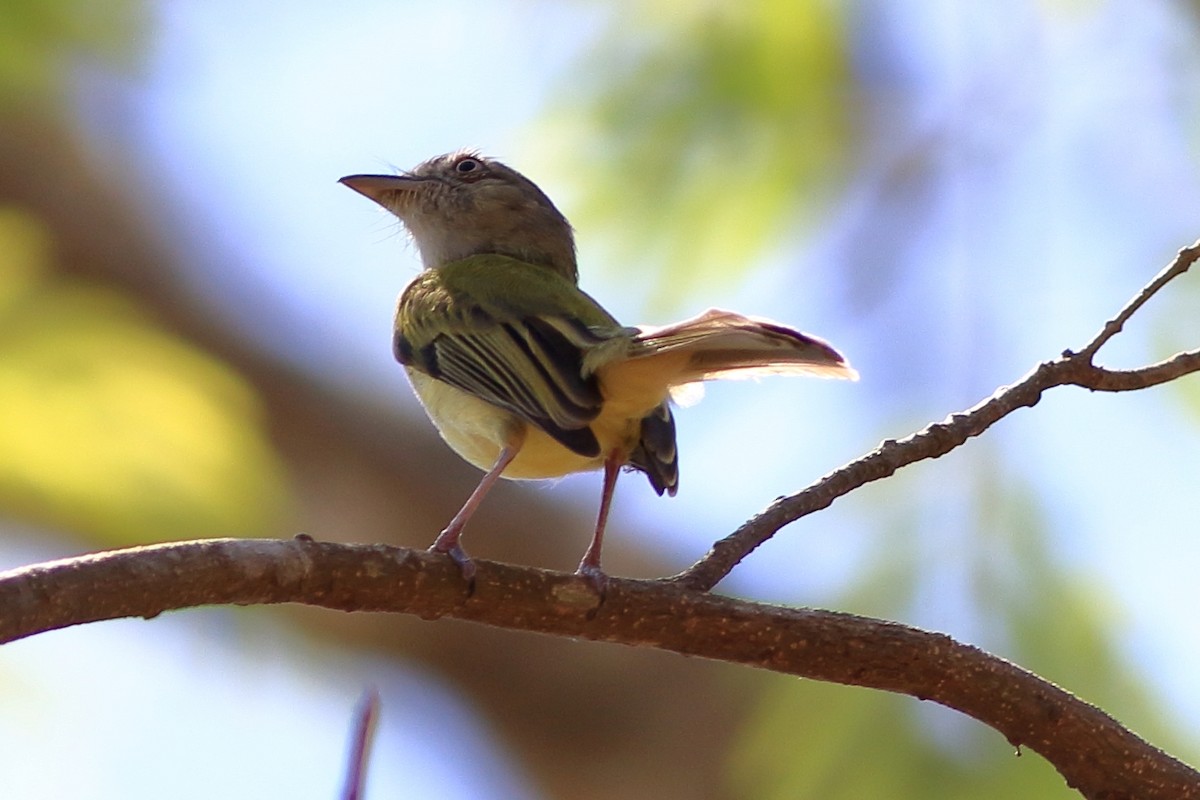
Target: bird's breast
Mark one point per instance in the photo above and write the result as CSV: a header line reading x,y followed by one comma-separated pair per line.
x,y
478,431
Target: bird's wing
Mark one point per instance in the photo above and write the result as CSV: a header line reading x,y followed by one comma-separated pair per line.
x,y
480,328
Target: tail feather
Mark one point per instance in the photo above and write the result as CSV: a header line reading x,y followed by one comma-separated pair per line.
x,y
722,344
655,453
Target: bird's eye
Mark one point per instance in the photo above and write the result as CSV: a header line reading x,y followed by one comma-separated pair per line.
x,y
466,165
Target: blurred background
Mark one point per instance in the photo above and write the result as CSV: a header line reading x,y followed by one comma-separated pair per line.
x,y
195,342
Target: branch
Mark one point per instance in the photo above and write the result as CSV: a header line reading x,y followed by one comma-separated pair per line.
x,y
1091,750
1074,369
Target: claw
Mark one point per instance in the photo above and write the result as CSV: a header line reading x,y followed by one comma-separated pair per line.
x,y
465,564
594,577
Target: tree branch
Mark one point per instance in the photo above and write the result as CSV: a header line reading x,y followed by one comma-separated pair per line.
x,y
1182,263
1074,369
1092,751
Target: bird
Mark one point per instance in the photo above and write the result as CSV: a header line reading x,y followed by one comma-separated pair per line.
x,y
526,376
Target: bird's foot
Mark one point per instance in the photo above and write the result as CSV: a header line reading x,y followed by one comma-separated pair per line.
x,y
594,577
466,566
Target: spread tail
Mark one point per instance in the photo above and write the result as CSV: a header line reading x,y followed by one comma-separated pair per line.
x,y
722,344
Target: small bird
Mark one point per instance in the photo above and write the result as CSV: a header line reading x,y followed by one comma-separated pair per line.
x,y
525,375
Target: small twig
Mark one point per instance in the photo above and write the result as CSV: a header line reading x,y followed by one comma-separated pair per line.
x,y
940,438
360,745
1182,263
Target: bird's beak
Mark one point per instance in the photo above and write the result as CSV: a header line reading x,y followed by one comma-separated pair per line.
x,y
383,189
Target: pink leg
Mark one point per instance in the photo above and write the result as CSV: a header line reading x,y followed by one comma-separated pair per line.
x,y
447,540
589,566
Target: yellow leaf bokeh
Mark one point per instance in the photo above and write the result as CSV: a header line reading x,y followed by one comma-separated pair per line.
x,y
113,428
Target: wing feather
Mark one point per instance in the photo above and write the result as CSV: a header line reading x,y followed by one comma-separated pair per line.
x,y
526,359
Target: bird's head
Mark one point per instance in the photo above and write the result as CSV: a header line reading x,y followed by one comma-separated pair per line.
x,y
464,204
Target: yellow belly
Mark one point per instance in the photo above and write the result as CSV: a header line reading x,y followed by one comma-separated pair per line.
x,y
478,430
